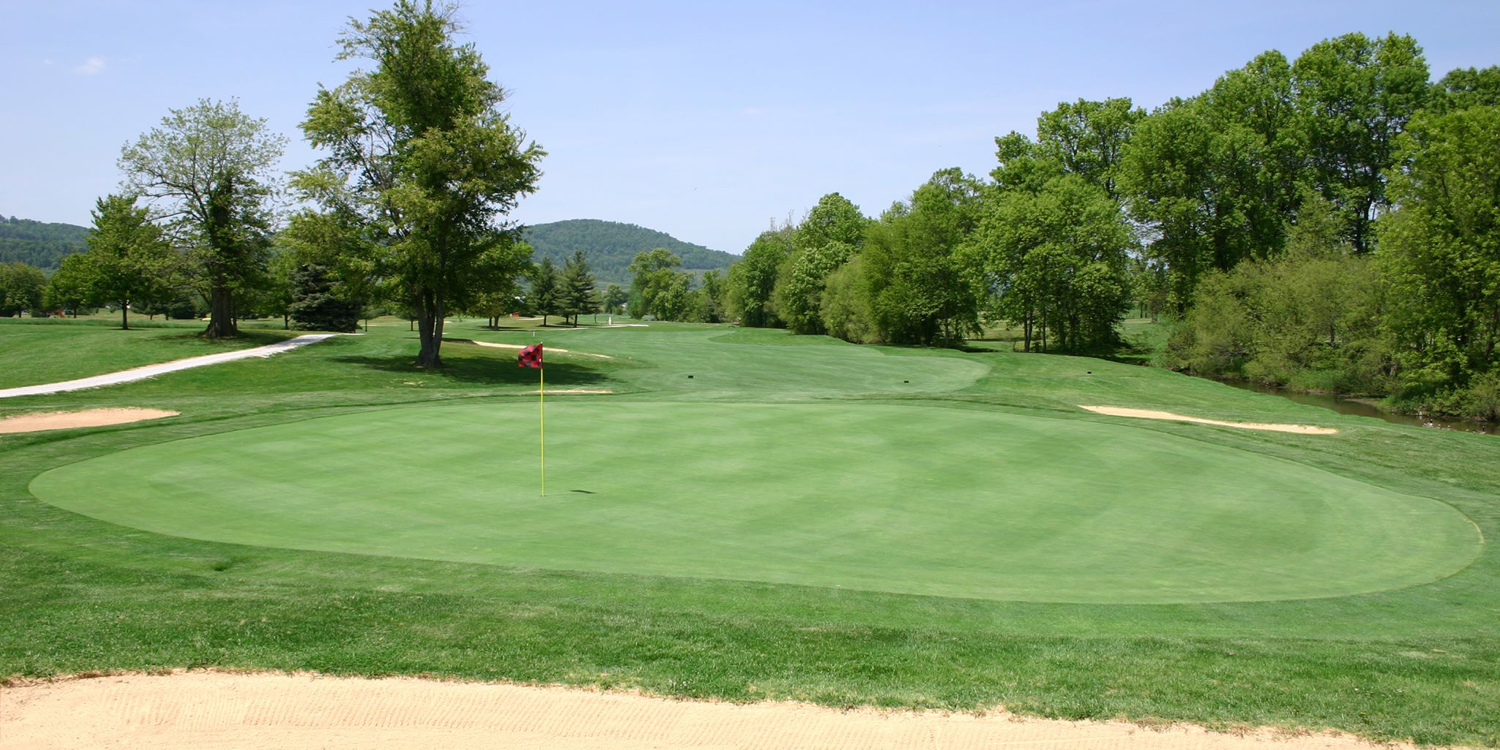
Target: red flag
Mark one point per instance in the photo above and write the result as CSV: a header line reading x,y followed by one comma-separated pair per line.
x,y
531,356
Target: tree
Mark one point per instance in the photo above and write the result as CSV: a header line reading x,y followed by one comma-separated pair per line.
x,y
546,295
129,261
1216,176
209,169
1056,260
846,305
1355,95
316,305
709,302
751,282
1087,138
576,288
615,299
1441,247
654,286
21,288
1468,87
920,286
799,290
68,288
423,158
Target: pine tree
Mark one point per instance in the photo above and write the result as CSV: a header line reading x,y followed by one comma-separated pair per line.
x,y
576,289
544,290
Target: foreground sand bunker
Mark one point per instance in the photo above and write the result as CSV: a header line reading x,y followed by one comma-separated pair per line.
x,y
297,712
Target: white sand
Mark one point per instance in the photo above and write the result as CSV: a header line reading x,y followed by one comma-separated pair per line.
x,y
303,711
1301,429
62,420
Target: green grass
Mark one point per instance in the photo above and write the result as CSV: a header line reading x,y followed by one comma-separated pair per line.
x,y
1416,661
902,499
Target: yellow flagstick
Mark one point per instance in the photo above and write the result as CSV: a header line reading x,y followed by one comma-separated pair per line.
x,y
541,394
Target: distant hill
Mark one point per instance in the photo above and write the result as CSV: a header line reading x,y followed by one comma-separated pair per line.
x,y
38,244
609,247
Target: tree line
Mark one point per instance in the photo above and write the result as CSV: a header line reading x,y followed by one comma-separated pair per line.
x,y
1327,222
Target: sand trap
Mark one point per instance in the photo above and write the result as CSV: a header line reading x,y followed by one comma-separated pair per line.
x,y
523,346
596,391
1301,429
63,420
303,711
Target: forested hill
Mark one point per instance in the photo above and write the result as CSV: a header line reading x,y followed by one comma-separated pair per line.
x,y
609,247
38,244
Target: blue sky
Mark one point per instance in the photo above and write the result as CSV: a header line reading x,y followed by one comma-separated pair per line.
x,y
705,120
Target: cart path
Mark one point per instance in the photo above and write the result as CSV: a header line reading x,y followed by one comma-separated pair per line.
x,y
151,371
305,711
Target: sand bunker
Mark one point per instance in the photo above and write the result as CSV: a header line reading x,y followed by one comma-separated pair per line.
x,y
1301,429
63,420
303,711
523,346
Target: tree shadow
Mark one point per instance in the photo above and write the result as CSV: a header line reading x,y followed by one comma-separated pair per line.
x,y
484,371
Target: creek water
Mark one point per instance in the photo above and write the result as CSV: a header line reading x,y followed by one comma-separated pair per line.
x,y
1362,409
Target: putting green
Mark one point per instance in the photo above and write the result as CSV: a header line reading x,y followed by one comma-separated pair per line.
x,y
909,499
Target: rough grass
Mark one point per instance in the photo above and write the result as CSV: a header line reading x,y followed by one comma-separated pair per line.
x,y
82,594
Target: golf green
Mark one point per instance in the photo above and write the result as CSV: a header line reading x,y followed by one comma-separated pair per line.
x,y
909,499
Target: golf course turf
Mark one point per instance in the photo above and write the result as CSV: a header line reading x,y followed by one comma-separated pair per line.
x,y
800,519
903,498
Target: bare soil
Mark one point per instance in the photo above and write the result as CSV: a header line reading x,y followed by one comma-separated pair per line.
x,y
305,711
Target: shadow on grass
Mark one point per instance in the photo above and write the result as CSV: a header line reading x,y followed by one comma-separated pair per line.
x,y
484,371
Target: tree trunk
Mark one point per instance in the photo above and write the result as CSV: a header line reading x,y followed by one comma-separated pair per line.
x,y
430,330
125,317
221,313
286,322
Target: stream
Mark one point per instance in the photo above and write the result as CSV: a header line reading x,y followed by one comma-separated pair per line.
x,y
1362,409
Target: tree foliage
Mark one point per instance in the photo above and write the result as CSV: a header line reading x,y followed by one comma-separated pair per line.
x,y
1441,246
423,163
129,261
22,288
209,169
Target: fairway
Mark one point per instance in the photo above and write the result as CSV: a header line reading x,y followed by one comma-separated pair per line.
x,y
882,497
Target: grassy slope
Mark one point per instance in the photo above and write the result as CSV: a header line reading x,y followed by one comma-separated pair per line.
x,y
82,594
48,351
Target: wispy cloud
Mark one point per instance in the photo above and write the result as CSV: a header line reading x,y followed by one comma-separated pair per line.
x,y
91,66
751,111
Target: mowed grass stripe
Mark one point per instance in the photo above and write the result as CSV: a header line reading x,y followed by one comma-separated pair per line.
x,y
901,499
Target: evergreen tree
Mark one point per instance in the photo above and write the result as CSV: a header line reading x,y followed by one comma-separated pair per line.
x,y
576,288
316,305
545,292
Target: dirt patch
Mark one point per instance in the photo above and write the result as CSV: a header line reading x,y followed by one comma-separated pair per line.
x,y
523,346
304,711
1301,429
63,420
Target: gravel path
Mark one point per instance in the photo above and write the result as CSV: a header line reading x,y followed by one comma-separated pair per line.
x,y
151,371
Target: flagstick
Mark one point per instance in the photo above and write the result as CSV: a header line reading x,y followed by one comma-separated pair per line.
x,y
541,394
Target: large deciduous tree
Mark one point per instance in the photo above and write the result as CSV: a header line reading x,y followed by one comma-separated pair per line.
x,y
1441,246
920,287
210,170
1355,95
425,161
751,283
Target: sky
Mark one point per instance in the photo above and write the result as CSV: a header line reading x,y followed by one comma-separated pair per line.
x,y
705,120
